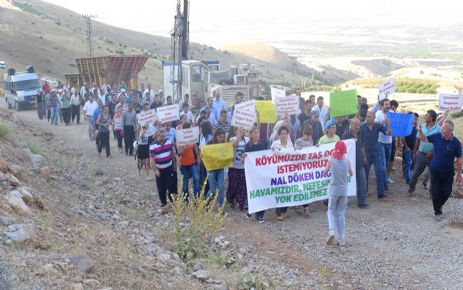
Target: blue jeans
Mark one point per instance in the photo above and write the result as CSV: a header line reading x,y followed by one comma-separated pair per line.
x,y
216,183
376,159
54,115
407,161
187,172
337,206
385,151
361,186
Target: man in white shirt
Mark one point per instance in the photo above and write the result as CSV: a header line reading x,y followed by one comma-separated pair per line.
x,y
149,90
384,141
83,90
322,110
89,108
188,113
75,105
218,105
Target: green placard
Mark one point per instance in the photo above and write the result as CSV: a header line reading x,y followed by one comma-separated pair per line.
x,y
343,103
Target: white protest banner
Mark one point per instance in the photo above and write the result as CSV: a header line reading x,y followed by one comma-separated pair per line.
x,y
292,178
168,113
147,117
243,118
450,102
187,136
276,93
248,106
286,105
386,89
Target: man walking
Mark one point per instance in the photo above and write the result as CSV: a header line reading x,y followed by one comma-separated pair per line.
x,y
447,148
423,150
75,106
369,133
164,164
89,109
384,140
360,161
129,124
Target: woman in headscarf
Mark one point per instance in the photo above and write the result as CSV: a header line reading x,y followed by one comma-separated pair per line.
x,y
275,135
41,111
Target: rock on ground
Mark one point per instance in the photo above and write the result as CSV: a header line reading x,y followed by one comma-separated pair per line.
x,y
19,233
15,201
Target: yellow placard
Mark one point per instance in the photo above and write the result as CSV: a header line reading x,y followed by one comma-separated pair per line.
x,y
217,156
266,110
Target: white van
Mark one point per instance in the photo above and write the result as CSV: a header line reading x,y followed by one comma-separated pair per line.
x,y
21,89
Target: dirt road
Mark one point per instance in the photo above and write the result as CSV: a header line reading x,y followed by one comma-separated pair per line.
x,y
395,243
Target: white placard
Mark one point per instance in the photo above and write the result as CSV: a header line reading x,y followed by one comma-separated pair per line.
x,y
386,89
286,105
147,117
450,102
248,106
243,118
276,93
187,136
168,113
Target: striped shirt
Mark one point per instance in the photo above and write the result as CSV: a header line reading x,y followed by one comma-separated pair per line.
x,y
162,154
224,127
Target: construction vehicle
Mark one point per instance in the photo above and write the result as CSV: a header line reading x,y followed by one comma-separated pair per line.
x,y
21,88
199,79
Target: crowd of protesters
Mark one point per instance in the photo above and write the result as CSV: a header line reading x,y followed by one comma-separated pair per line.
x,y
428,152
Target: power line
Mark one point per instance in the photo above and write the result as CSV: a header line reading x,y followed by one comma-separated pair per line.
x,y
88,22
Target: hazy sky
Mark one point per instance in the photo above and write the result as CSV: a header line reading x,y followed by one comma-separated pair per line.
x,y
219,21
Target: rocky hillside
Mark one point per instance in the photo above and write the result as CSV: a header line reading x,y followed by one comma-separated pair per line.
x,y
72,221
51,37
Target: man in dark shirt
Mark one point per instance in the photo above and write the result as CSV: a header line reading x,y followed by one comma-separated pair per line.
x,y
156,103
342,125
447,148
222,124
360,161
317,129
305,115
112,106
369,133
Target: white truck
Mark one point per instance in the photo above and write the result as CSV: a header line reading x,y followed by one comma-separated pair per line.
x,y
21,89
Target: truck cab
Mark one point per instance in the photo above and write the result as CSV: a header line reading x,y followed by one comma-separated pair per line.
x,y
195,81
21,89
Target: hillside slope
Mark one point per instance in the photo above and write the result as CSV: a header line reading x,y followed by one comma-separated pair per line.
x,y
51,37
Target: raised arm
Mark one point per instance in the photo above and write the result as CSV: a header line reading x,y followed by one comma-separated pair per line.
x,y
388,125
421,135
442,120
327,168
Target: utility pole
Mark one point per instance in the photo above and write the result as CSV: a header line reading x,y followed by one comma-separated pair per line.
x,y
88,22
179,46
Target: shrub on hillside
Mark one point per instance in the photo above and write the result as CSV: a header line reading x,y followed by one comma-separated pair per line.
x,y
4,130
196,223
